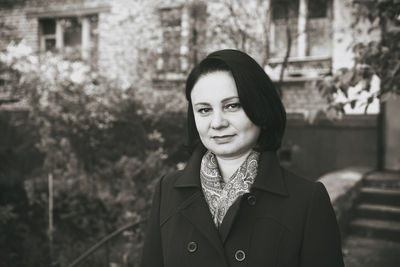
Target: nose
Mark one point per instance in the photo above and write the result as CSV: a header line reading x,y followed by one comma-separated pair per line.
x,y
218,121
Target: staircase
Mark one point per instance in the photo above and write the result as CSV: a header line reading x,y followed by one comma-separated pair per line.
x,y
377,213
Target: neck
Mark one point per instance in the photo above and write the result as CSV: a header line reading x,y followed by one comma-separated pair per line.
x,y
228,165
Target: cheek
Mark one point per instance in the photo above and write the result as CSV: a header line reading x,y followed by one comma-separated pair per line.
x,y
250,130
244,124
201,124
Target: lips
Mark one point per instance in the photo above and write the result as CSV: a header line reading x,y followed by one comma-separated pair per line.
x,y
220,139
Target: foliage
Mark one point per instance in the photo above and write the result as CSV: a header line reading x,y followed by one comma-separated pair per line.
x,y
7,33
104,147
243,26
380,58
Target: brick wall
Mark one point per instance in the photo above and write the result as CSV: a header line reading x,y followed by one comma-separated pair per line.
x,y
26,26
22,27
125,29
302,97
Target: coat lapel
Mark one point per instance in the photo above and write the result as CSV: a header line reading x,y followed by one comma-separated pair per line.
x,y
197,212
269,178
228,220
195,208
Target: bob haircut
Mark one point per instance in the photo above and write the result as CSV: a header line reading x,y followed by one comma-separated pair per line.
x,y
257,95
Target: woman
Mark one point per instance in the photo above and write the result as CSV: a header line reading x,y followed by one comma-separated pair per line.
x,y
233,205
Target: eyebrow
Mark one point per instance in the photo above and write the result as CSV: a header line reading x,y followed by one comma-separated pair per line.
x,y
223,100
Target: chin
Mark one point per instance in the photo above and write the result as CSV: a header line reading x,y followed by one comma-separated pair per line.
x,y
228,152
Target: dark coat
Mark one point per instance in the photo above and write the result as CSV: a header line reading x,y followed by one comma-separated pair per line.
x,y
285,220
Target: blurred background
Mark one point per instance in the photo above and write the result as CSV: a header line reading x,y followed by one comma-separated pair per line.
x,y
92,111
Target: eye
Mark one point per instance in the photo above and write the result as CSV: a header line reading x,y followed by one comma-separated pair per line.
x,y
233,106
204,111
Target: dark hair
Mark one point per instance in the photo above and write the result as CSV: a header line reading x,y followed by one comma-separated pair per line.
x,y
257,94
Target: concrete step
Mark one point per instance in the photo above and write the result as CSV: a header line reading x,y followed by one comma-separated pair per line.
x,y
368,252
380,196
383,180
383,229
375,211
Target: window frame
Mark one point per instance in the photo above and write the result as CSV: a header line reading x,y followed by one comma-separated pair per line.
x,y
301,39
84,13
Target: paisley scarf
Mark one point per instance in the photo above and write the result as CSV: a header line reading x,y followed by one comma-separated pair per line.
x,y
219,195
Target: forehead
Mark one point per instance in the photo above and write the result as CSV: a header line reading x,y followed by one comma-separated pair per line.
x,y
214,87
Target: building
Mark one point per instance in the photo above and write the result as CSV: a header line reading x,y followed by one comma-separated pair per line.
x,y
127,38
179,32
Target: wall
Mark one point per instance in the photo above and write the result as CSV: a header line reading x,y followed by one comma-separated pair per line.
x,y
26,27
312,150
392,134
302,97
345,34
342,35
125,29
23,27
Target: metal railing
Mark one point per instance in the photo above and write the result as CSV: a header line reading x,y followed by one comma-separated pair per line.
x,y
104,242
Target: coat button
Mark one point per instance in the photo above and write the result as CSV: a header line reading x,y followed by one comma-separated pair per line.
x,y
192,246
240,255
251,199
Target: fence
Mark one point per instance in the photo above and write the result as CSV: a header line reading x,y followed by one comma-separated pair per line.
x,y
312,150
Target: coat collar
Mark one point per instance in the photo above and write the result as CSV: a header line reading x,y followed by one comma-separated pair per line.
x,y
269,177
191,174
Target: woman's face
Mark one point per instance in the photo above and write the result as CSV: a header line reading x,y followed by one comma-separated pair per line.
x,y
223,126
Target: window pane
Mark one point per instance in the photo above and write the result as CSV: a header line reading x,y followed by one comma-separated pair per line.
x,y
48,26
280,40
319,35
72,32
317,8
171,25
282,9
50,44
171,51
171,16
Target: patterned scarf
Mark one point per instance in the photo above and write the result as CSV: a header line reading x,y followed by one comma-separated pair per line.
x,y
219,195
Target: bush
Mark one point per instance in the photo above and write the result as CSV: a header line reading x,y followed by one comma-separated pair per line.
x,y
104,148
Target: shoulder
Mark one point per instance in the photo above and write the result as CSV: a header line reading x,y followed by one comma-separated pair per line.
x,y
302,188
170,193
309,200
168,181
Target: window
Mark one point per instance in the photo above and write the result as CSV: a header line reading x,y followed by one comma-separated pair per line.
x,y
283,9
48,36
73,36
183,30
72,33
171,28
309,24
319,33
317,9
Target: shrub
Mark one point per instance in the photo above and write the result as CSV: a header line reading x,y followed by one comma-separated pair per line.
x,y
103,146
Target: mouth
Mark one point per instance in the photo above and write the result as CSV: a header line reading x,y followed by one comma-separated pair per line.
x,y
222,138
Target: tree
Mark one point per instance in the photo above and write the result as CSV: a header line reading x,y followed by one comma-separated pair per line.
x,y
375,58
379,57
246,26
